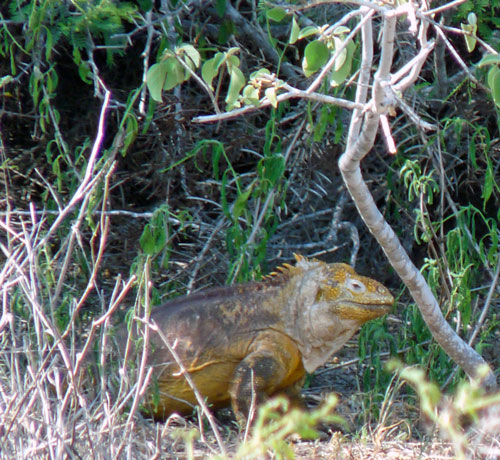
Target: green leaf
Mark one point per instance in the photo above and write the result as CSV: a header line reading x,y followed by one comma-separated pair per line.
x,y
472,18
240,203
250,95
339,62
220,8
495,87
321,125
341,30
232,60
210,68
470,42
272,168
233,50
340,76
192,53
174,73
216,154
491,73
226,29
236,83
145,5
219,59
83,67
489,59
48,44
294,33
257,73
271,95
51,81
276,14
316,55
209,72
154,235
13,58
147,240
155,78
85,72
488,186
470,35
131,130
223,194
307,31
337,77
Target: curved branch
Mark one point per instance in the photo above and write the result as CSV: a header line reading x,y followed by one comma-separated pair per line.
x,y
465,356
349,163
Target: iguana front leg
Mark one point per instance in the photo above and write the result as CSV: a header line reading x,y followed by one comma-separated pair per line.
x,y
272,366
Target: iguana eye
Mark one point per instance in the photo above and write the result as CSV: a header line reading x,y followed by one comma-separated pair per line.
x,y
355,286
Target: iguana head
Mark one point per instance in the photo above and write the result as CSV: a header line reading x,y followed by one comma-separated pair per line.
x,y
353,296
331,303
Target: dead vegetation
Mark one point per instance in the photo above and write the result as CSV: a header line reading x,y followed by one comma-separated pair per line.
x,y
76,202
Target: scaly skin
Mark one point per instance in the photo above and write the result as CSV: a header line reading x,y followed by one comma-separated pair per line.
x,y
257,339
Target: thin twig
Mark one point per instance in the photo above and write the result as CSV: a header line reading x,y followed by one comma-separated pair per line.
x,y
363,80
293,93
456,56
80,192
203,85
445,7
145,65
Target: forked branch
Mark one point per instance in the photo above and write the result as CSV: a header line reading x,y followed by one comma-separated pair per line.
x,y
357,148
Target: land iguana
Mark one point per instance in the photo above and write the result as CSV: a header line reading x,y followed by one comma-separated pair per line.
x,y
258,338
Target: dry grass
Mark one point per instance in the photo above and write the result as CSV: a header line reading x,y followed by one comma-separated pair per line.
x,y
393,450
54,263
47,409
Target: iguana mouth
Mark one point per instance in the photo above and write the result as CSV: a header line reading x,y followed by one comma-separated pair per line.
x,y
368,305
362,311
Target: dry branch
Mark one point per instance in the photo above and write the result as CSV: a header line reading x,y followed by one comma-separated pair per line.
x,y
465,356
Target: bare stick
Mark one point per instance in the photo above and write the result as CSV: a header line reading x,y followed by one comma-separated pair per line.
x,y
364,78
80,192
293,93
